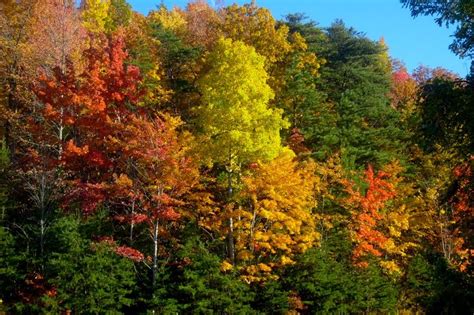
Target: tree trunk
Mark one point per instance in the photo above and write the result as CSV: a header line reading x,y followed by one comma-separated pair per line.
x,y
132,223
155,254
42,204
230,235
252,228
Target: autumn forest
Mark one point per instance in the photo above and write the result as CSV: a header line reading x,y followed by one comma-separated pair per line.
x,y
213,159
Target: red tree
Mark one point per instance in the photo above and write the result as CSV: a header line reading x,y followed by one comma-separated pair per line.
x,y
369,240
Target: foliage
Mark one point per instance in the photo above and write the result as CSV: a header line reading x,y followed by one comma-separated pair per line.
x,y
327,283
9,260
275,222
204,288
95,15
84,274
433,286
210,159
442,123
238,124
355,118
458,13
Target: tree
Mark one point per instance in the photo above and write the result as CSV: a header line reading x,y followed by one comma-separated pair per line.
x,y
17,65
275,220
237,125
309,30
95,15
78,117
157,173
179,60
86,275
368,236
404,92
235,113
299,97
57,33
462,214
457,13
256,27
204,288
144,52
202,24
431,285
9,260
326,281
120,14
136,164
354,118
447,115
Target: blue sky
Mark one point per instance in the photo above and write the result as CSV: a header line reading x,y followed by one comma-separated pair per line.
x,y
414,41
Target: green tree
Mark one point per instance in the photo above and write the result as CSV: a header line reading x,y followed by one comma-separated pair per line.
x,y
87,276
204,289
447,116
271,297
459,13
179,62
9,271
120,14
431,285
356,81
327,282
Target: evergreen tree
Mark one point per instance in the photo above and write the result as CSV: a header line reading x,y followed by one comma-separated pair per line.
x,y
352,113
327,282
205,289
87,276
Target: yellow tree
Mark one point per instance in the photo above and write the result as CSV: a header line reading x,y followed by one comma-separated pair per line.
x,y
172,20
95,15
237,125
399,220
17,64
275,221
434,220
256,27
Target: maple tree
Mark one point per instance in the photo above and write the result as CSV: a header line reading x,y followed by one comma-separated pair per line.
x,y
368,238
157,172
404,91
145,155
